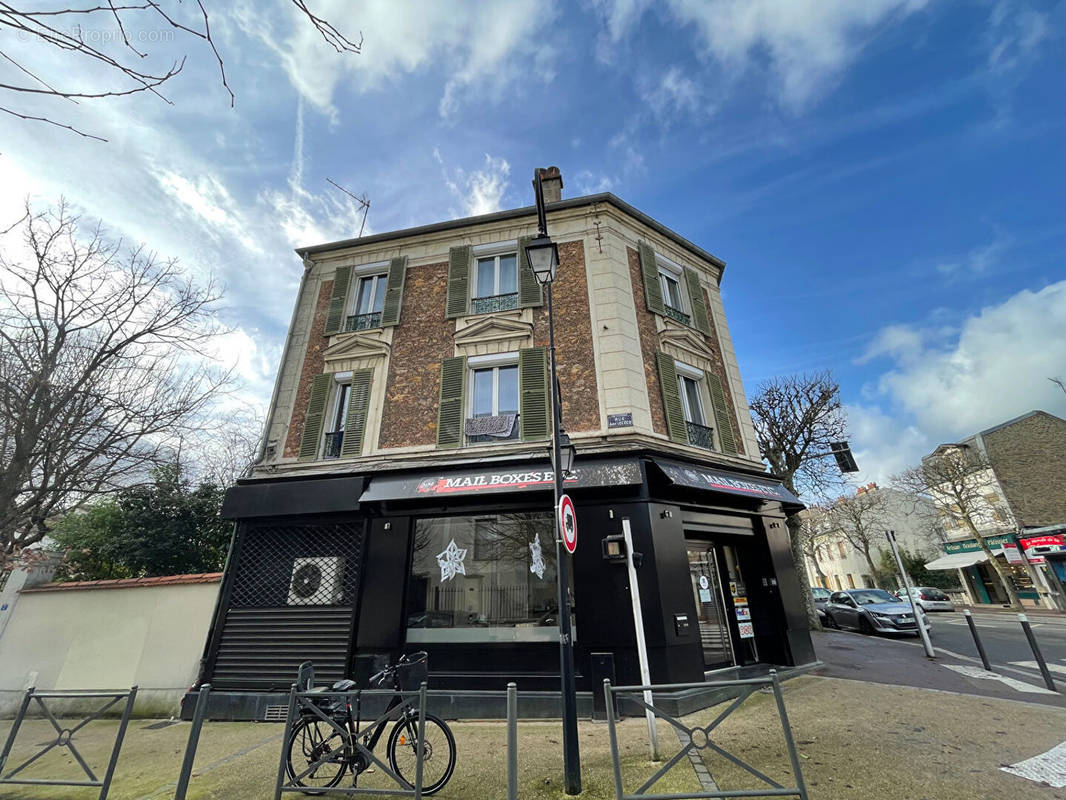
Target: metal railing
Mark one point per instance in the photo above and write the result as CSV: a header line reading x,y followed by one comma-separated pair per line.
x,y
331,447
65,737
698,738
498,302
677,315
362,322
700,435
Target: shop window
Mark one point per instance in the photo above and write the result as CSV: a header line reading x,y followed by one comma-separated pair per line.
x,y
483,579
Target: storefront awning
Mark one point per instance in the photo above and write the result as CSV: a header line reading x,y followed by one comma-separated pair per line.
x,y
957,560
498,479
717,480
273,498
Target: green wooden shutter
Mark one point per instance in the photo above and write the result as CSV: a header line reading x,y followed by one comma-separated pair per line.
x,y
459,259
355,422
721,414
674,411
534,410
316,408
452,412
390,311
701,321
653,290
529,289
342,278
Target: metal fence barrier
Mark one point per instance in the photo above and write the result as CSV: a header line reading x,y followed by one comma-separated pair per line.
x,y
699,738
192,742
65,737
303,702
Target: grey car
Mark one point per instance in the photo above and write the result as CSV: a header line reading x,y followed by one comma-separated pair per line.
x,y
871,611
821,598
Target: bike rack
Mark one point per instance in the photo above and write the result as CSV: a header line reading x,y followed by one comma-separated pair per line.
x,y
300,701
65,737
699,738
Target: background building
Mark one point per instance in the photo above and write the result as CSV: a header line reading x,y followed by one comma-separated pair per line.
x,y
1019,491
403,498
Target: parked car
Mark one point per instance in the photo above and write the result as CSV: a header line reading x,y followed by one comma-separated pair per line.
x,y
821,597
872,611
928,598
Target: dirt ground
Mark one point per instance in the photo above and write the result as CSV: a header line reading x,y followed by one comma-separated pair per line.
x,y
856,740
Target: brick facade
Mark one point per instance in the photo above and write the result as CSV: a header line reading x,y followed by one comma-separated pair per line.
x,y
412,390
1029,459
314,364
573,340
649,342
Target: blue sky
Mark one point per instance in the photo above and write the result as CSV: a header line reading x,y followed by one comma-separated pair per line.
x,y
883,178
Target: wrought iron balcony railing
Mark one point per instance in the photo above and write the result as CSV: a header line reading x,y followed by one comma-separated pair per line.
x,y
700,435
361,322
498,302
332,447
678,315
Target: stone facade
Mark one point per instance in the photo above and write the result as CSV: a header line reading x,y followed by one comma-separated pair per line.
x,y
1028,456
412,389
314,364
649,342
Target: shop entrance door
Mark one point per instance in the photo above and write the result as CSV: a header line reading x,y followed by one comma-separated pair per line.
x,y
710,606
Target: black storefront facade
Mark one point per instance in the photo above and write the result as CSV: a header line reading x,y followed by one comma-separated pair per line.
x,y
349,571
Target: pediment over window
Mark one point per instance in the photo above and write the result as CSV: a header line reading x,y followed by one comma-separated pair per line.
x,y
357,346
495,329
687,341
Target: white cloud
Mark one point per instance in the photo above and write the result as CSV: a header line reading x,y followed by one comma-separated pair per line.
x,y
995,368
588,182
479,191
1015,33
805,44
480,48
883,445
976,262
675,93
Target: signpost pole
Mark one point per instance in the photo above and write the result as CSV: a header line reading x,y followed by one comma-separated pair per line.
x,y
642,647
907,587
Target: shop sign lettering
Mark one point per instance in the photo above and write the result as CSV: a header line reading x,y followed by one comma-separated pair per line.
x,y
497,480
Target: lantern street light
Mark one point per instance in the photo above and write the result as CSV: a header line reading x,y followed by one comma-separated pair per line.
x,y
543,255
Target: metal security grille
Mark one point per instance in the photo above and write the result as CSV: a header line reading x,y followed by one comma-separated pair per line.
x,y
298,565
292,599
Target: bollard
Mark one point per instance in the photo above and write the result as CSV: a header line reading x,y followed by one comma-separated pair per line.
x,y
977,639
1036,652
512,741
193,742
420,750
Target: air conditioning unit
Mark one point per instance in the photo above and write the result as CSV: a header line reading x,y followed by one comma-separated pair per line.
x,y
317,581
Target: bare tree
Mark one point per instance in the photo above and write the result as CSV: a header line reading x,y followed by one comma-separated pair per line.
x,y
101,368
956,478
224,449
812,531
84,34
796,418
860,519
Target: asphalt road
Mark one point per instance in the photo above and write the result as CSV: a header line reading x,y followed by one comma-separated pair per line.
x,y
1003,639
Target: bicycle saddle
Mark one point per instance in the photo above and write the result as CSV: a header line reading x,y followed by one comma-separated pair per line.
x,y
343,685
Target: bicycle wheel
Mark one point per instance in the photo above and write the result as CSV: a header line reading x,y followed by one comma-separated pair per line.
x,y
439,761
312,741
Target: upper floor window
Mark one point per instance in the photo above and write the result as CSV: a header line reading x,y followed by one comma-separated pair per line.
x,y
692,398
843,552
494,401
690,384
495,283
673,290
368,302
335,421
673,297
333,438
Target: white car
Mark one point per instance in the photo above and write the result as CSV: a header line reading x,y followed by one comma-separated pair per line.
x,y
929,598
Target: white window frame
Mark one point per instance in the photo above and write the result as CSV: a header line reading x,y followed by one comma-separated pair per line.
x,y
695,374
378,270
493,361
670,269
340,379
493,251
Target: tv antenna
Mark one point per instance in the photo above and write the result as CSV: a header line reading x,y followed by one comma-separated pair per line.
x,y
363,202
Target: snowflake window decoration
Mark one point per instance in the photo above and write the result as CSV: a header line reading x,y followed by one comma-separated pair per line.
x,y
451,561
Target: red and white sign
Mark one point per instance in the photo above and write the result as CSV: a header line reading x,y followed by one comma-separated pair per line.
x,y
568,523
1043,541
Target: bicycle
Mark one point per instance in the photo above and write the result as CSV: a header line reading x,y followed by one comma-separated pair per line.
x,y
320,752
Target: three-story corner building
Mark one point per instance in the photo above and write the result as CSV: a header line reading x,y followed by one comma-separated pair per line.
x,y
403,500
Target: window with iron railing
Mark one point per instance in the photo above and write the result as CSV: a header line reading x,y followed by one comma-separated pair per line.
x,y
677,314
367,304
499,302
362,322
495,284
331,447
700,435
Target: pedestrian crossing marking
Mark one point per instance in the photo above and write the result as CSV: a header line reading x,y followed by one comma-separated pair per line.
x,y
1059,668
1049,767
978,672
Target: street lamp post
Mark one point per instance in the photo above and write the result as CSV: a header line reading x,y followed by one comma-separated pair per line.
x,y
543,255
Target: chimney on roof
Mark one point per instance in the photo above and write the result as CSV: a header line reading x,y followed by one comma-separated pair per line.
x,y
552,182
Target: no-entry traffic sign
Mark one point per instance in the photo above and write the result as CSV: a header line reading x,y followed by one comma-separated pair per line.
x,y
568,523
